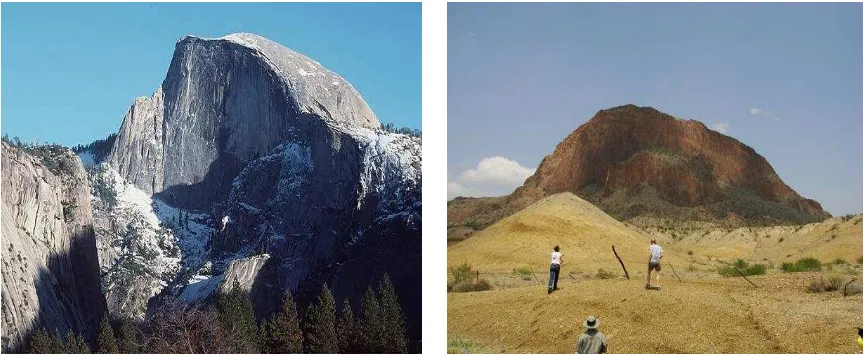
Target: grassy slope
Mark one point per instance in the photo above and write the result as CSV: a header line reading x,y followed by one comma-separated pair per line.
x,y
584,233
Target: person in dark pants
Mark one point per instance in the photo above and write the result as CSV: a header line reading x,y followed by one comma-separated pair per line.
x,y
555,263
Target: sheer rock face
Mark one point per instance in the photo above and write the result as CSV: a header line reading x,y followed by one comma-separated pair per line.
x,y
223,102
137,151
288,160
50,266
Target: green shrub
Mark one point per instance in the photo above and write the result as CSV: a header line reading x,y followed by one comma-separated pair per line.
x,y
604,274
754,270
477,286
802,265
524,272
457,345
744,267
462,280
461,273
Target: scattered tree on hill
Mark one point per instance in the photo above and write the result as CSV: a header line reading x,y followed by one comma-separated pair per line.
x,y
173,329
105,341
41,342
282,331
75,344
370,326
347,331
236,314
319,333
127,343
393,325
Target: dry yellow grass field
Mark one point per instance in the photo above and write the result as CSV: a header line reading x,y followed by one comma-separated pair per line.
x,y
695,316
702,314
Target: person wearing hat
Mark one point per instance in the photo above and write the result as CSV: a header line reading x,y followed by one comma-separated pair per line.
x,y
555,263
591,341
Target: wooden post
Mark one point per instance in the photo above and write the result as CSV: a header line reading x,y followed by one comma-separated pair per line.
x,y
477,275
675,272
744,277
620,261
845,288
533,274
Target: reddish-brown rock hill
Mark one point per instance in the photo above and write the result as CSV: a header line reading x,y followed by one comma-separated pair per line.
x,y
637,162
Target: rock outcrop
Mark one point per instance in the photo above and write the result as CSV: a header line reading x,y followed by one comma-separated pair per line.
x,y
286,159
50,265
642,165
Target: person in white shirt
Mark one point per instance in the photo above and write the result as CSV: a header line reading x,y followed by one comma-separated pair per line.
x,y
655,263
555,263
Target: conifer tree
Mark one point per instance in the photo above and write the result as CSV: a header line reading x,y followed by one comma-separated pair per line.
x,y
105,341
41,342
236,314
283,329
370,326
319,333
393,324
127,342
75,344
347,330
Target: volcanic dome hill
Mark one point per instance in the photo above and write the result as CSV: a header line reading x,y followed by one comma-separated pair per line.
x,y
644,166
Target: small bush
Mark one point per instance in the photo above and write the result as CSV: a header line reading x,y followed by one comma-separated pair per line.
x,y
755,270
802,265
826,284
603,274
458,345
477,286
860,260
691,252
462,280
461,273
744,267
781,239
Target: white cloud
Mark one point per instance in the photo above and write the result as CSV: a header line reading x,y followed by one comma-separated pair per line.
x,y
493,176
763,113
721,127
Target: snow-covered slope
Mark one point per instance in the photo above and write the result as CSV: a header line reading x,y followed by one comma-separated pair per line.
x,y
144,244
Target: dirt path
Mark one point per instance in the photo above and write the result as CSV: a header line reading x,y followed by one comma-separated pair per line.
x,y
696,316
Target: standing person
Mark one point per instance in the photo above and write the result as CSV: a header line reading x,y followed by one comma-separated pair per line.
x,y
555,263
655,263
591,341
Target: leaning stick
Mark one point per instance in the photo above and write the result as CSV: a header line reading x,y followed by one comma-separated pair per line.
x,y
845,289
533,274
744,277
675,272
620,261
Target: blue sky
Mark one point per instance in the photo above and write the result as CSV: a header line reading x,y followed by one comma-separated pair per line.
x,y
69,71
785,79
